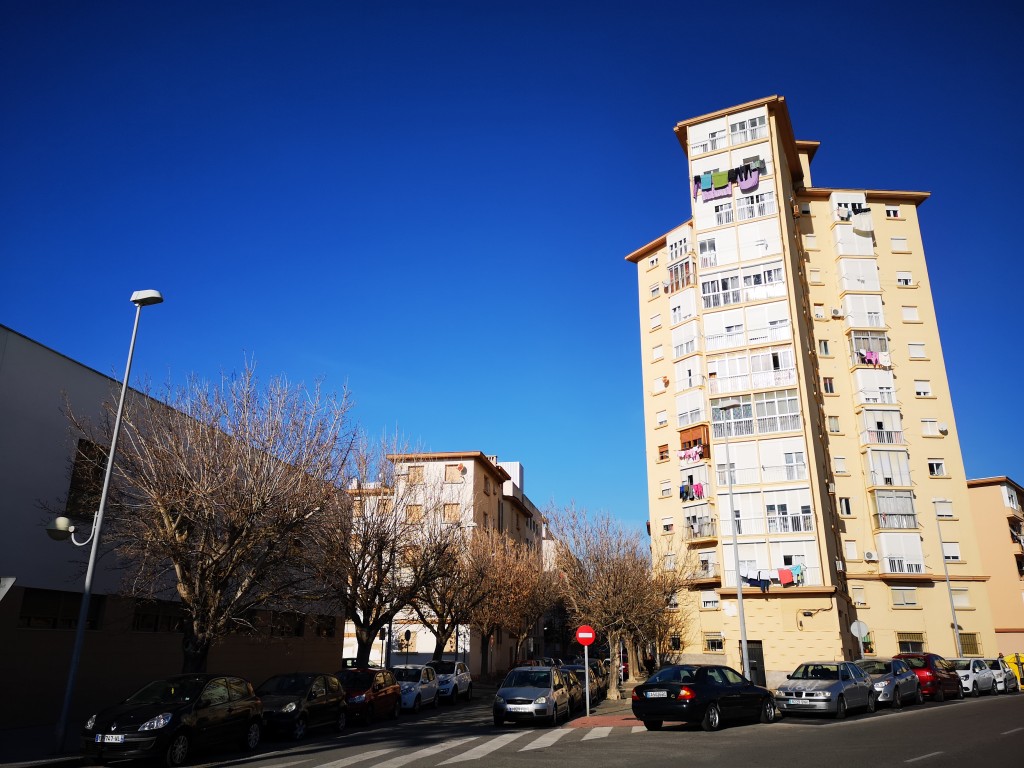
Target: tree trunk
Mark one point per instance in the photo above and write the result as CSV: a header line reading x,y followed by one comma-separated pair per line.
x,y
485,647
441,637
364,645
613,665
194,650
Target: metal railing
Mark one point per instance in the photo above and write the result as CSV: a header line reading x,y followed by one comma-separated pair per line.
x,y
709,259
784,473
809,577
722,299
867,396
781,423
753,210
766,291
706,529
902,522
709,144
900,478
737,428
883,436
723,217
743,476
762,379
791,524
899,565
745,526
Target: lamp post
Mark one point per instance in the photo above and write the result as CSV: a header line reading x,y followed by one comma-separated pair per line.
x,y
949,587
61,529
727,407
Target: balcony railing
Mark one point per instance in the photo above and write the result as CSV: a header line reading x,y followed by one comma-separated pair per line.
x,y
883,436
763,379
779,332
902,522
723,299
748,134
690,417
709,144
737,428
766,291
782,423
744,476
706,571
754,210
745,526
791,524
899,565
784,473
751,336
723,217
866,396
686,348
759,380
705,529
811,577
724,384
865,320
709,259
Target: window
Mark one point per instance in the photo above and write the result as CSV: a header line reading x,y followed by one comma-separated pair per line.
x,y
658,352
747,130
674,643
713,642
805,209
898,243
859,598
961,597
652,262
904,597
819,311
850,549
415,475
833,424
916,351
655,290
666,488
869,644
86,483
662,418
669,561
839,464
663,452
414,513
844,506
970,643
811,243
673,602
922,388
667,524
906,279
936,468
930,427
708,599
452,513
487,485
951,551
452,473
753,206
55,609
655,321
823,349
910,642
723,214
325,626
943,508
814,276
828,384
910,315
287,624
892,212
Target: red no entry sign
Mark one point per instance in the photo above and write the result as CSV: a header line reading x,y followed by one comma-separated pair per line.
x,y
585,635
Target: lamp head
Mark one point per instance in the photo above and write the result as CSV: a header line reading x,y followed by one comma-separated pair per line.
x,y
145,298
60,529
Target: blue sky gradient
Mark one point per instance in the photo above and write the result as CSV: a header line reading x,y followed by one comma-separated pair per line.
x,y
430,202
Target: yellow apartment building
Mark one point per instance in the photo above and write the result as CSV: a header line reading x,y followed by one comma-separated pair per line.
x,y
998,517
790,346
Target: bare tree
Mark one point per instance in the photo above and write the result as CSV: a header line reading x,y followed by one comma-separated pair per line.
x,y
216,489
606,578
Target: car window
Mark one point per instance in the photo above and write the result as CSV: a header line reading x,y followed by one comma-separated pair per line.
x,y
333,685
672,675
319,687
238,688
216,692
378,679
731,676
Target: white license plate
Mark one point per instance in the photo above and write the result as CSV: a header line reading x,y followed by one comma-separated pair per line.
x,y
657,694
110,738
520,708
801,702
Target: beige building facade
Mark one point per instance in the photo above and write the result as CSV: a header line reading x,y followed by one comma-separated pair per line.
x,y
791,350
997,511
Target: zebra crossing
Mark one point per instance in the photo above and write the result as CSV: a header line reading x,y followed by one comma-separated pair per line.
x,y
460,749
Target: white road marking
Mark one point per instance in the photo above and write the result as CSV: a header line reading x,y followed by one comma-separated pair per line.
x,y
1007,733
922,757
546,740
358,758
639,729
409,757
486,748
597,733
285,765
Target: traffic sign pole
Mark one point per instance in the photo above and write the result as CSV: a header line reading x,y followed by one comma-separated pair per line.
x,y
585,636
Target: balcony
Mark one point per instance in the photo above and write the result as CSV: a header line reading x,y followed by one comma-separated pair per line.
x,y
707,572
710,144
883,436
723,217
723,299
865,320
784,473
745,476
811,578
782,423
898,522
686,348
709,259
898,478
899,565
737,428
725,384
872,396
766,291
753,210
690,417
748,134
745,526
701,532
768,379
791,524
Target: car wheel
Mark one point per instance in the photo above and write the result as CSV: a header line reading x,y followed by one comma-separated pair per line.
x,y
940,692
437,700
177,750
397,709
712,718
768,711
553,722
652,725
897,699
341,720
959,691
840,708
994,689
872,703
454,698
919,696
498,721
469,692
298,728
974,689
416,705
252,735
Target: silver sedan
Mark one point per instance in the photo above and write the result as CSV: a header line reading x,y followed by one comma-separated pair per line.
x,y
831,687
894,682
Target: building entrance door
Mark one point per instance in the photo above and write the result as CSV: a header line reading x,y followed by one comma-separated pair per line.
x,y
756,654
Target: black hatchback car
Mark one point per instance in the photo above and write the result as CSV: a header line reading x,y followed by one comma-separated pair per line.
x,y
166,718
701,693
298,701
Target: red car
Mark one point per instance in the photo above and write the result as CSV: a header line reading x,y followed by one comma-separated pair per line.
x,y
371,693
937,676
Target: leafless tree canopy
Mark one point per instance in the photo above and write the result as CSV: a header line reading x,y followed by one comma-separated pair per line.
x,y
217,489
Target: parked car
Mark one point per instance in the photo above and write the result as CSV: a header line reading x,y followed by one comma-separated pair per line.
x,y
975,676
832,687
894,682
298,701
581,672
600,671
419,686
166,719
532,694
700,693
453,680
1006,681
371,693
937,677
575,686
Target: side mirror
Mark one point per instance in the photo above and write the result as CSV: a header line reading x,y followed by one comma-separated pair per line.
x,y
203,704
789,677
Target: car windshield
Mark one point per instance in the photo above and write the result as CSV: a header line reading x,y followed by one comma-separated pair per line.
x,y
962,664
672,675
285,685
357,681
875,667
816,672
994,664
527,678
443,667
406,675
916,662
168,691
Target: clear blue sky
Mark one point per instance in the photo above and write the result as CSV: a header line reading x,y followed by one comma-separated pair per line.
x,y
431,202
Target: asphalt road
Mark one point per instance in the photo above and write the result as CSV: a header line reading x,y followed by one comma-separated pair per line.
x,y
989,729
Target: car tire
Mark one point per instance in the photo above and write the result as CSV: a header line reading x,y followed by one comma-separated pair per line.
x,y
897,698
415,706
712,717
919,696
553,720
368,714
872,703
397,709
498,722
960,692
840,708
994,689
341,721
298,729
768,711
653,725
974,690
177,751
940,692
469,692
251,740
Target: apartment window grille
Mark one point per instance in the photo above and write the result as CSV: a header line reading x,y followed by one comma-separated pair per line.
x,y
708,253
910,642
755,206
713,642
720,292
723,214
970,643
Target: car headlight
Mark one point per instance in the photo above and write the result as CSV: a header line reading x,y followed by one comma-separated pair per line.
x,y
880,686
289,707
157,722
819,695
498,700
541,700
357,699
91,723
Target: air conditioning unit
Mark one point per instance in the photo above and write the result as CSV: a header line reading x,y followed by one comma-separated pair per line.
x,y
664,284
871,557
837,312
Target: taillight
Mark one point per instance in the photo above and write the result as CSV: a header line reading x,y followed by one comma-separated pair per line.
x,y
635,696
686,693
926,674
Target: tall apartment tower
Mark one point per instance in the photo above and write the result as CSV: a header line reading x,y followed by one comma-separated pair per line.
x,y
790,346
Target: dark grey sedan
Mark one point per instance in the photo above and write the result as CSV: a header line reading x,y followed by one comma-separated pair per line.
x,y
895,683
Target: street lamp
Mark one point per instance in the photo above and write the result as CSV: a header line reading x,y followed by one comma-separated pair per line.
x,y
949,587
727,407
61,528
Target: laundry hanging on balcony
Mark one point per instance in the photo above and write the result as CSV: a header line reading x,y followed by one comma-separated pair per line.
x,y
713,185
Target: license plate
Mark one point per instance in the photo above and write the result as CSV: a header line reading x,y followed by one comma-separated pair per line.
x,y
110,738
519,708
657,694
800,702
